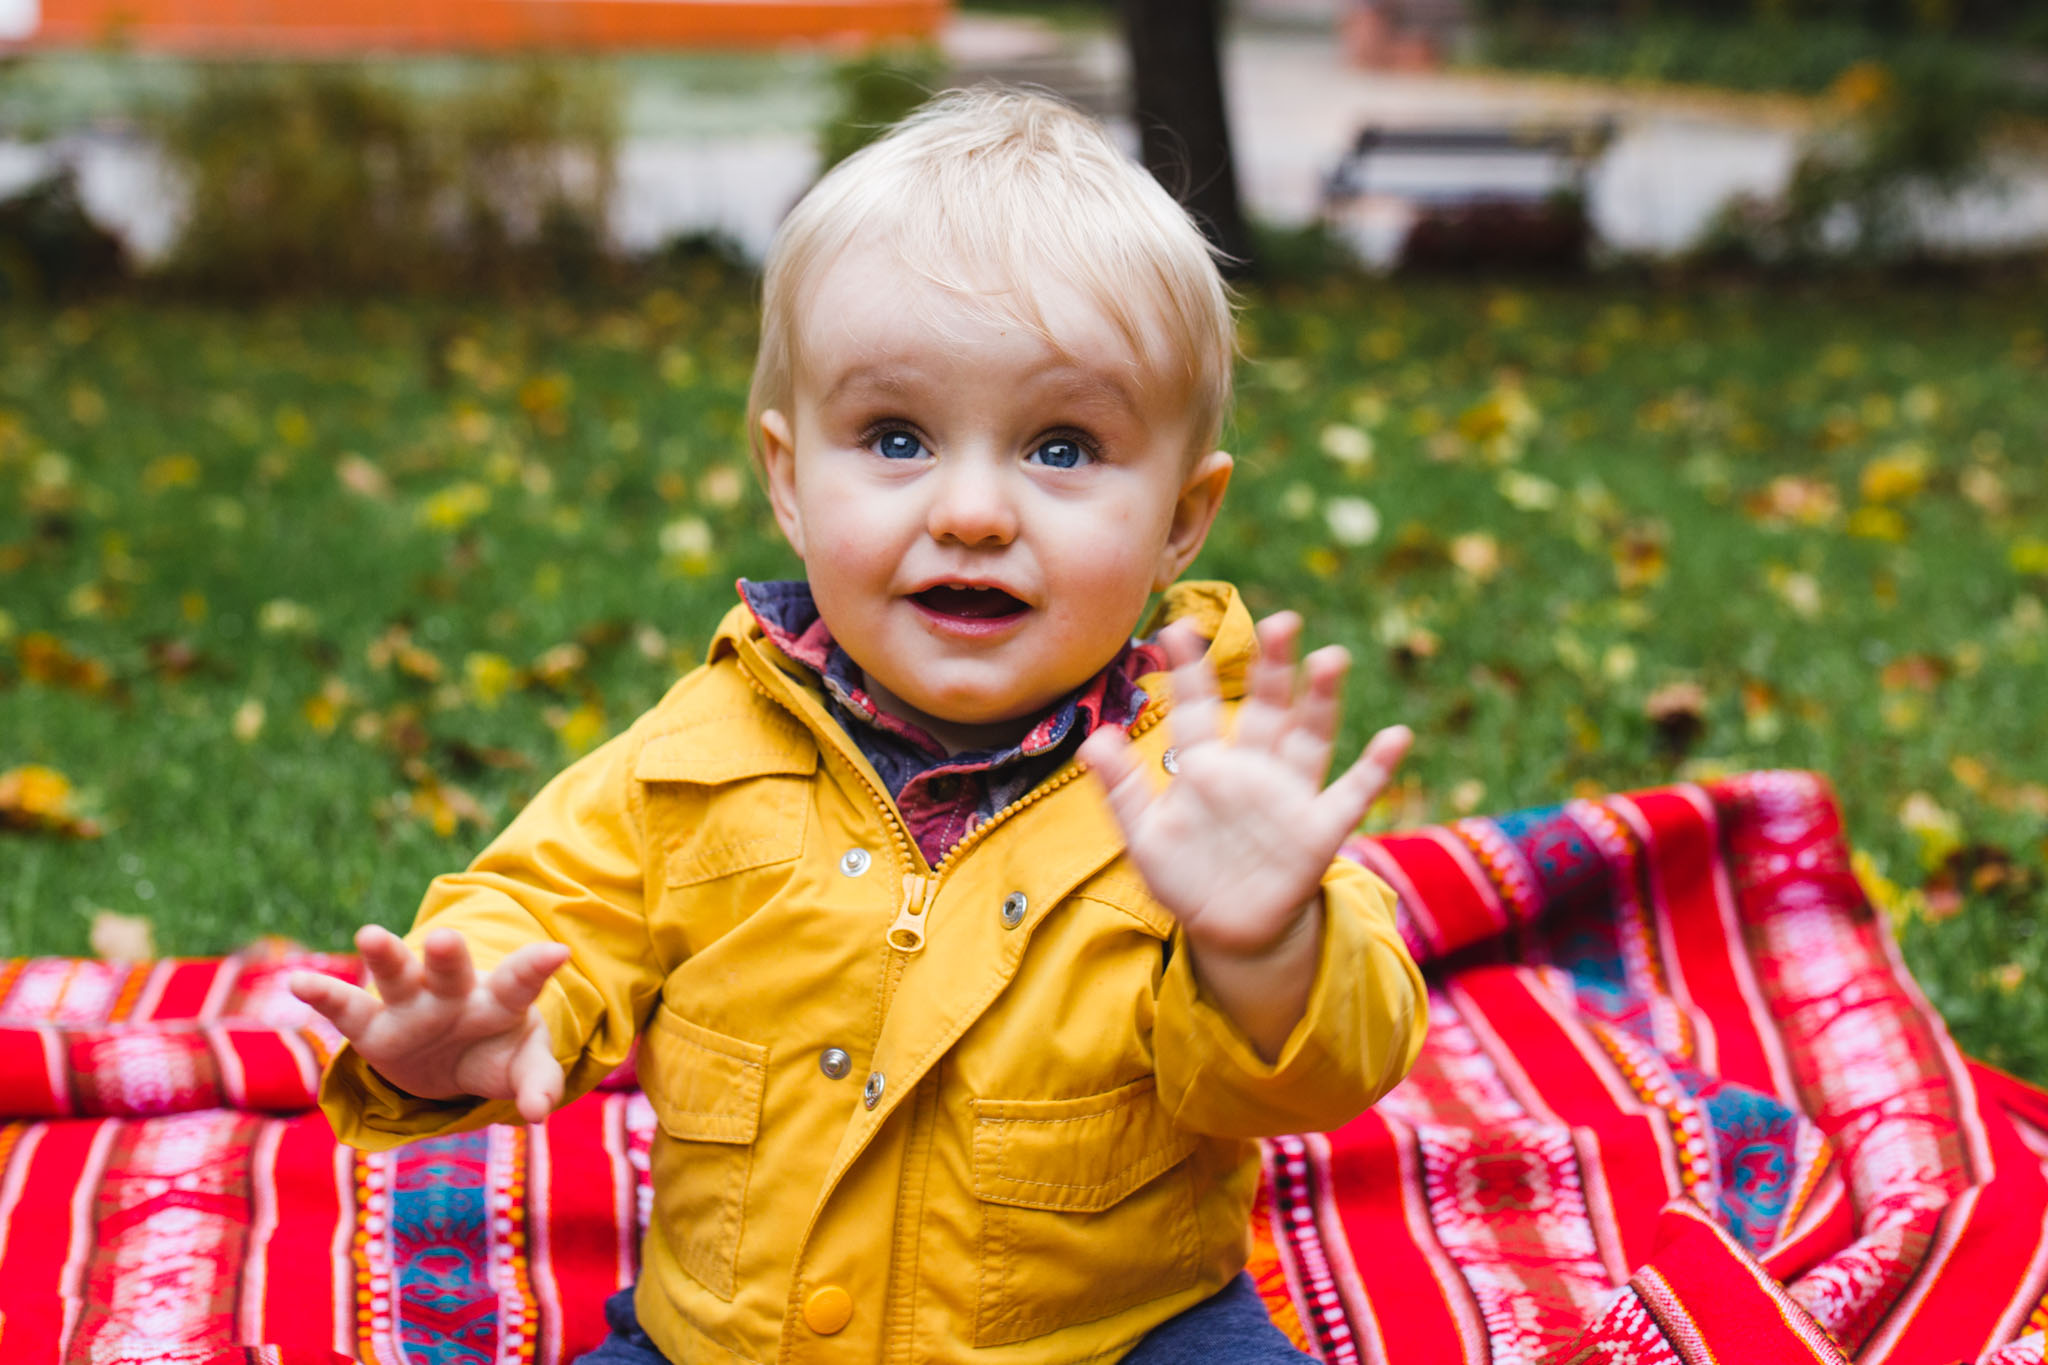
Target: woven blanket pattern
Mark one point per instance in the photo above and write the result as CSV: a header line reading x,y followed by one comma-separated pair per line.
x,y
1680,1102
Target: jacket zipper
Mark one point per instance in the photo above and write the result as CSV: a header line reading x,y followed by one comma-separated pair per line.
x,y
906,934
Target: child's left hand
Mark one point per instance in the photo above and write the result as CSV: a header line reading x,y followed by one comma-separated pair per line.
x,y
1237,842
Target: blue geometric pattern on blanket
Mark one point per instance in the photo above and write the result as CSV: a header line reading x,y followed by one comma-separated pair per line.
x,y
1570,870
1578,927
1754,1137
1753,1134
441,1245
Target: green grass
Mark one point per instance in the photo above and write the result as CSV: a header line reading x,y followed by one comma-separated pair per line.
x,y
176,505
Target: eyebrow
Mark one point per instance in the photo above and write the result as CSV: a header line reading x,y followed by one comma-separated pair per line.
x,y
1089,386
882,379
1074,385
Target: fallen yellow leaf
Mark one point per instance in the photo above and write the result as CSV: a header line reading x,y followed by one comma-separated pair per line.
x,y
40,800
489,677
455,506
171,471
580,729
1877,523
1898,903
2029,556
1936,829
1897,475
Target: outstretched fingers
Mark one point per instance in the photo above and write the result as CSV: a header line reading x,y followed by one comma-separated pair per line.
x,y
1263,720
1352,795
1312,725
445,969
349,1008
1196,708
517,982
392,967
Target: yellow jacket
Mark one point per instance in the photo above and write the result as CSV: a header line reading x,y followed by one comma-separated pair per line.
x,y
1036,1146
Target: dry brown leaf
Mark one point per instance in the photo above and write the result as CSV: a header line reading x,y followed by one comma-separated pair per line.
x,y
1920,672
122,938
1679,711
1794,500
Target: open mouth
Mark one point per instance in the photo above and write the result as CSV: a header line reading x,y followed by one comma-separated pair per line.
x,y
966,603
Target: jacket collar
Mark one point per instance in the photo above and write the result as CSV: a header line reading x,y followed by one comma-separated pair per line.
x,y
1220,615
1214,608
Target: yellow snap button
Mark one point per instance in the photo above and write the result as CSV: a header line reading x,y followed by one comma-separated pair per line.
x,y
828,1309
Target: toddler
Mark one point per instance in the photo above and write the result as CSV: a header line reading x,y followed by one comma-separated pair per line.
x,y
969,943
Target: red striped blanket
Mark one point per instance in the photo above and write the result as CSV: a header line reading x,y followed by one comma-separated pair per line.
x,y
1680,1103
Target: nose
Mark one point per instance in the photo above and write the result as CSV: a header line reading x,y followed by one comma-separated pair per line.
x,y
972,504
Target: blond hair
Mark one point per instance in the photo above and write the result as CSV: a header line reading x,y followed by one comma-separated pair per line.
x,y
993,194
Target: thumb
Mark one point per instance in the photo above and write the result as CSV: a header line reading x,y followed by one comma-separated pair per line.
x,y
536,1076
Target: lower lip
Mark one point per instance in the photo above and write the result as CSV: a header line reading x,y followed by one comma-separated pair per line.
x,y
969,627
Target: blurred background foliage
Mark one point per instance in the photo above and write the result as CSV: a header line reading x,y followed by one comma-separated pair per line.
x,y
1914,96
873,92
1892,140
2021,19
328,177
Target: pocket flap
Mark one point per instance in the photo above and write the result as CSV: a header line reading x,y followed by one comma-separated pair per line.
x,y
1081,1155
704,1086
723,749
1126,891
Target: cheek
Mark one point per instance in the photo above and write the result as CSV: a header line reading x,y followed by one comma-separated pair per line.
x,y
1114,577
849,568
836,529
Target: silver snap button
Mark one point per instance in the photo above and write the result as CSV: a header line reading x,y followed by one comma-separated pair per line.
x,y
834,1062
872,1094
1170,760
854,861
1014,906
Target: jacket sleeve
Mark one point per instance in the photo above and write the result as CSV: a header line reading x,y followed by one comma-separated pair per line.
x,y
1360,1033
568,868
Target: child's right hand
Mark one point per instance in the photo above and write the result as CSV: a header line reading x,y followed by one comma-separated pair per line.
x,y
437,1032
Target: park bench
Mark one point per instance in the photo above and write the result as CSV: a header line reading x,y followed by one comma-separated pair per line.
x,y
1475,194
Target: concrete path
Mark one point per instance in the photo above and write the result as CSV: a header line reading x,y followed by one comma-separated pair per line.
x,y
726,144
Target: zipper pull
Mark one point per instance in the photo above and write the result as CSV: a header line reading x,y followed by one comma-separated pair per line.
x,y
906,935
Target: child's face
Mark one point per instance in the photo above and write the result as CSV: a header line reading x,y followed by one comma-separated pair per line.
x,y
981,518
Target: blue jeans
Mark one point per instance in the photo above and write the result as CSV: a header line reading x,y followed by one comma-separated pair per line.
x,y
1231,1326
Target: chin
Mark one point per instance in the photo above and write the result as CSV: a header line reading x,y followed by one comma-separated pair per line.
x,y
979,710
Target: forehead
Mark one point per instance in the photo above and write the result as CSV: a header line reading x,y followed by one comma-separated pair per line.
x,y
872,321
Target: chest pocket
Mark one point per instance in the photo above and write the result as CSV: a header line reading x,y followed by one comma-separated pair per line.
x,y
1088,1207
728,795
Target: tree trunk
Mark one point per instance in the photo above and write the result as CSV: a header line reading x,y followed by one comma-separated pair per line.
x,y
1177,90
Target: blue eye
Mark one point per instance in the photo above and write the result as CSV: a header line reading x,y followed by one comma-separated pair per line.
x,y
1060,453
898,445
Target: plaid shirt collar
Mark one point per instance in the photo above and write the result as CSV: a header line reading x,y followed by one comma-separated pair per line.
x,y
943,796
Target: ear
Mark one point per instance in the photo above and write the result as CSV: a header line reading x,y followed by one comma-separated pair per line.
x,y
778,468
1194,512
